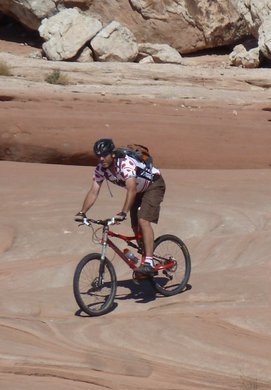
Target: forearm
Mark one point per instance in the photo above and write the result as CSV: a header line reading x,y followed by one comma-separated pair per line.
x,y
129,200
91,197
88,202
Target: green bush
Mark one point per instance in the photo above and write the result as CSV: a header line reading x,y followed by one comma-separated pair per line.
x,y
4,69
56,77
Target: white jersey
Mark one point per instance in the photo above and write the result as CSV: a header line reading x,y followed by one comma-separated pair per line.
x,y
126,168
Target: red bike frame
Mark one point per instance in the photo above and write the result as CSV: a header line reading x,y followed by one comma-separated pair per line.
x,y
161,262
171,263
127,239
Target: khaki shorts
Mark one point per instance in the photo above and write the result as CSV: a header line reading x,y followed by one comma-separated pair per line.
x,y
147,204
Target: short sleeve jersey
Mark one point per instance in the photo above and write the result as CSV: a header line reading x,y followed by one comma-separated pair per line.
x,y
125,168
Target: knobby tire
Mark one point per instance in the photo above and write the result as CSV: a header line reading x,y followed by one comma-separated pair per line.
x,y
166,248
95,298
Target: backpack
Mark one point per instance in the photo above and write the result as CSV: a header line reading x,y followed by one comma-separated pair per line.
x,y
138,152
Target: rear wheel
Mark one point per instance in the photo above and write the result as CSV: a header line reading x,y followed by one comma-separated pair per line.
x,y
94,285
171,251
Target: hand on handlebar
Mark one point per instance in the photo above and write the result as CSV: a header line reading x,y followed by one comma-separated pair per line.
x,y
120,217
84,220
81,217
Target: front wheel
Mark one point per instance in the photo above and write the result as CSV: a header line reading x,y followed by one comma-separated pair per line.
x,y
94,285
172,256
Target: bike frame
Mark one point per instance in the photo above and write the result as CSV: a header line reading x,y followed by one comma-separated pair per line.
x,y
107,242
165,263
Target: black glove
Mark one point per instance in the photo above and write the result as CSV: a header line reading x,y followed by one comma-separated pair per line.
x,y
120,216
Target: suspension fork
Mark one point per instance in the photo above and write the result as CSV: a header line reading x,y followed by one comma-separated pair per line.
x,y
104,246
104,242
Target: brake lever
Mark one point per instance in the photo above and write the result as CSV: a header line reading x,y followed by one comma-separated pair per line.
x,y
112,221
84,221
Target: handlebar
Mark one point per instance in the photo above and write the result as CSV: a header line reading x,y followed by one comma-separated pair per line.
x,y
103,222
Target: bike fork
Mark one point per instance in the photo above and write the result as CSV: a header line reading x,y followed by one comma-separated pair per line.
x,y
102,265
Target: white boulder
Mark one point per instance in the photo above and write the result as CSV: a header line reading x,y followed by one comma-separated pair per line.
x,y
265,37
244,58
115,43
29,12
161,53
66,33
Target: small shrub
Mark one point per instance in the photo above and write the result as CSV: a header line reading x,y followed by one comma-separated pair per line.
x,y
56,77
249,384
4,69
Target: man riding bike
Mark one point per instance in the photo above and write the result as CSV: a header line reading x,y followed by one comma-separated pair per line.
x,y
144,194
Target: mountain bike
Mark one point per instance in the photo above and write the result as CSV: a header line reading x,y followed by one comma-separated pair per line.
x,y
95,280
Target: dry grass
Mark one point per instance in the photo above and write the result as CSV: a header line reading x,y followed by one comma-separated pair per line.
x,y
56,77
4,69
249,384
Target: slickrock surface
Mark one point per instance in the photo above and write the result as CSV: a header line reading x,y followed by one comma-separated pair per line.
x,y
205,116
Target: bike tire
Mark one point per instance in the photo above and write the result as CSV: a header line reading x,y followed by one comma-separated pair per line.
x,y
175,279
93,297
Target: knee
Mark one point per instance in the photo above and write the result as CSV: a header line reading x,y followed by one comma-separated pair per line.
x,y
143,223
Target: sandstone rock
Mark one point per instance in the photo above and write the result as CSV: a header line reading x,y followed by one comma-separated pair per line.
x,y
265,37
160,53
237,54
186,25
146,60
189,26
36,54
254,12
257,15
66,33
245,58
85,55
82,4
115,43
29,12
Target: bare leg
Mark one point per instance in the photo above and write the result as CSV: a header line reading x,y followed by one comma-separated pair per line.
x,y
148,236
137,231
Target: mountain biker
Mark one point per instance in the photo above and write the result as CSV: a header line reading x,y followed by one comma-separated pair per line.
x,y
143,195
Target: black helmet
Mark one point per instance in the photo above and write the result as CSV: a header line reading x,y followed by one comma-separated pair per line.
x,y
103,147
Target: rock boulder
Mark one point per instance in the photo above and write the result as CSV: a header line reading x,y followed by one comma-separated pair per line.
x,y
160,53
29,12
115,43
254,13
265,37
257,15
187,26
245,58
66,33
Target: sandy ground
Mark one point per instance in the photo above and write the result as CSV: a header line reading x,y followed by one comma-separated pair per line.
x,y
216,335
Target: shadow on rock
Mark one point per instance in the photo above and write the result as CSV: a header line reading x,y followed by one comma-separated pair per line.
x,y
37,154
81,313
141,291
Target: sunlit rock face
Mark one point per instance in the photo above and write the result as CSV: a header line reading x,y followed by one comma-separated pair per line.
x,y
185,25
